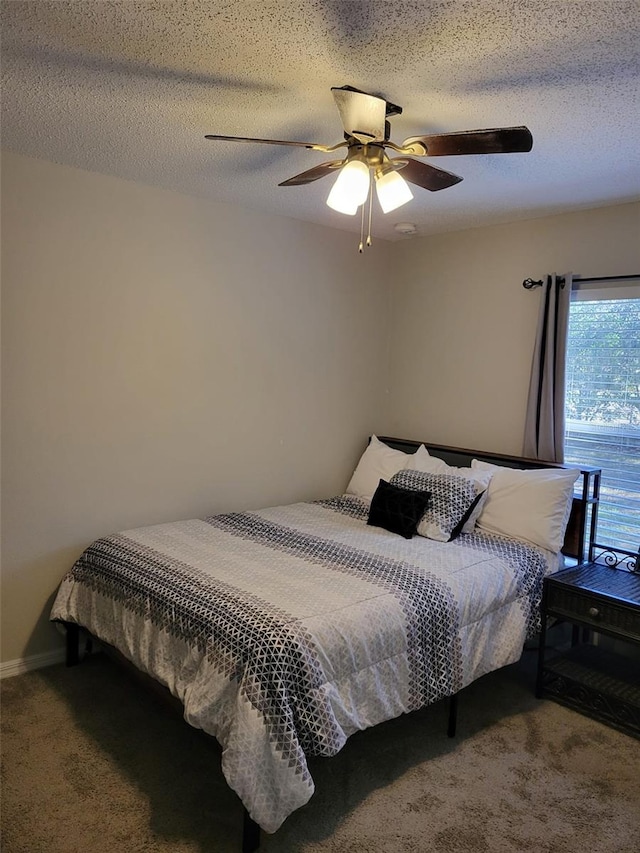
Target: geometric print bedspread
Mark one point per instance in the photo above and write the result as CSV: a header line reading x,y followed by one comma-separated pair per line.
x,y
283,631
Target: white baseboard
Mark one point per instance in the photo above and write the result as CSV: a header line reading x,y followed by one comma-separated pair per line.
x,y
17,667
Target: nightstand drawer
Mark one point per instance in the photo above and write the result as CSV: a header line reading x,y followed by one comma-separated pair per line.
x,y
595,611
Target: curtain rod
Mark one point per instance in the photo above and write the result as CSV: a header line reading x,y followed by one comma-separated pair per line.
x,y
529,283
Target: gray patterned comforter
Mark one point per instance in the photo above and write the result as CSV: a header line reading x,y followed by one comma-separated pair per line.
x,y
283,631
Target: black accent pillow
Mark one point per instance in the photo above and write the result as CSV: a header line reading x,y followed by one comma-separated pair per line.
x,y
396,509
457,530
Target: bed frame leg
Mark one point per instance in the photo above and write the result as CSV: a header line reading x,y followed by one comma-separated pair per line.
x,y
250,834
73,643
453,715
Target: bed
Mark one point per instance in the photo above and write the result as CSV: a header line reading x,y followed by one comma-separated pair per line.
x,y
284,630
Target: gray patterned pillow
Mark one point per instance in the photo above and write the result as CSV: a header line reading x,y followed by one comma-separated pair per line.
x,y
452,498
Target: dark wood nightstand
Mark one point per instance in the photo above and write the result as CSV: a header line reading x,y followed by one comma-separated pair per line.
x,y
588,677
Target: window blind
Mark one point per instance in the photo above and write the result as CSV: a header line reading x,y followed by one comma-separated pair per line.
x,y
603,405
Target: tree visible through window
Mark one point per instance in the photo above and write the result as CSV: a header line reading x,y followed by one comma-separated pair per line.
x,y
603,404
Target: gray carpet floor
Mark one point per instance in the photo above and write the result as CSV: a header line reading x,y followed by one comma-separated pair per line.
x,y
91,763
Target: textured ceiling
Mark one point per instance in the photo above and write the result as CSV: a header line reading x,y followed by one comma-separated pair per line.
x,y
131,88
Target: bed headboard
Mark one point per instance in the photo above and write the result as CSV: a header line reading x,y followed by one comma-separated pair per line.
x,y
581,529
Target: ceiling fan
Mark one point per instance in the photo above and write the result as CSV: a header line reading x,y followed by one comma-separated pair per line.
x,y
366,138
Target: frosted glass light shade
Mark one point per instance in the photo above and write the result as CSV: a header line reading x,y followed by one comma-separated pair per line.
x,y
393,191
351,188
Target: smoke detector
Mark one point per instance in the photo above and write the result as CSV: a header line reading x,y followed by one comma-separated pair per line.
x,y
406,228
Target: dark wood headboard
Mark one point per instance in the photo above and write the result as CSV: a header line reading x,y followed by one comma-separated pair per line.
x,y
581,529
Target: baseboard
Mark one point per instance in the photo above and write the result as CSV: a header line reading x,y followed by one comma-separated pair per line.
x,y
17,667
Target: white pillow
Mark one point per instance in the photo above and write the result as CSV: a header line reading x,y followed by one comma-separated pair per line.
x,y
533,505
422,461
379,461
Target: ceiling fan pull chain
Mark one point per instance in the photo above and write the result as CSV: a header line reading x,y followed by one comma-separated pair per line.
x,y
361,244
370,208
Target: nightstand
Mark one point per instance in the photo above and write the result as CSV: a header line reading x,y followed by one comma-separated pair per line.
x,y
589,677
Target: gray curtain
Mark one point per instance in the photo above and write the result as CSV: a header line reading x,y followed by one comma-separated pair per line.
x,y
544,427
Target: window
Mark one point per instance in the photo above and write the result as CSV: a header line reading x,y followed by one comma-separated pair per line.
x,y
603,401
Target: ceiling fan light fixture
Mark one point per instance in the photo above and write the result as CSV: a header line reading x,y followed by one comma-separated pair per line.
x,y
393,191
351,188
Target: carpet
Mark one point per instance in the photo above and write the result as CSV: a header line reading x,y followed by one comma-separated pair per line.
x,y
91,763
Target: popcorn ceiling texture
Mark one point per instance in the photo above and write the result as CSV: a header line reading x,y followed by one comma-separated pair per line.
x,y
130,89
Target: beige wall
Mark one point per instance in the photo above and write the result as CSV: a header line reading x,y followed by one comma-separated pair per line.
x,y
163,358
463,327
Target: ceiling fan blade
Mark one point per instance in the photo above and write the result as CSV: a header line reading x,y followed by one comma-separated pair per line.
x,y
312,174
264,141
501,140
362,115
426,176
